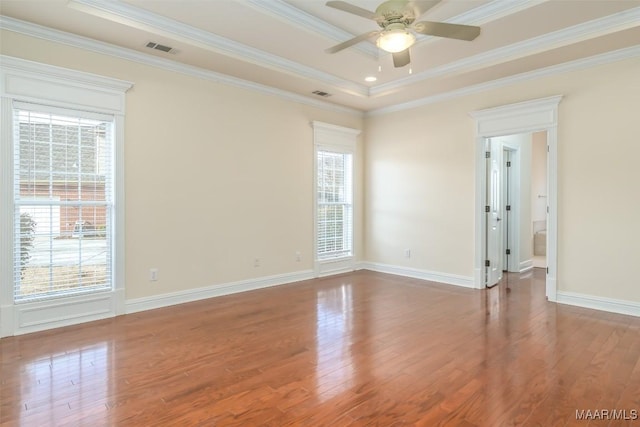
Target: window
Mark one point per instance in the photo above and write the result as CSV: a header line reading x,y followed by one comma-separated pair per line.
x,y
335,205
62,201
61,196
334,209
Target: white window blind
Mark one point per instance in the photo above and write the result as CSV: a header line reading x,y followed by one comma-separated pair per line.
x,y
334,204
63,201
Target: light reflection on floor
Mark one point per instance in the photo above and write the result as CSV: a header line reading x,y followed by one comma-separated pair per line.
x,y
334,369
76,380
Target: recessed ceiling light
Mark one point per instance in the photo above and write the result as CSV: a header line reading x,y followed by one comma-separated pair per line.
x,y
370,79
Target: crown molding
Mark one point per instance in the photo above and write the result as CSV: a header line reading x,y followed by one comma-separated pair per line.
x,y
615,22
141,19
294,16
479,15
73,40
577,65
577,33
494,10
485,13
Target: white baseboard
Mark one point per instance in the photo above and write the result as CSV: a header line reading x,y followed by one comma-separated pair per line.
x,y
62,313
190,295
599,303
526,266
449,279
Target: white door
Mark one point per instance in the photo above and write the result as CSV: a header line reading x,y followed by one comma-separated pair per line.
x,y
493,262
509,231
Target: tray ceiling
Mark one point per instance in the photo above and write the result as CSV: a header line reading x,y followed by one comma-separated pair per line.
x,y
280,44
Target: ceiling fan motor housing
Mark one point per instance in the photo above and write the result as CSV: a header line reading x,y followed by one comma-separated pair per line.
x,y
395,12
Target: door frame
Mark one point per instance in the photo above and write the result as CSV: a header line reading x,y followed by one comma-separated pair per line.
x,y
523,117
511,219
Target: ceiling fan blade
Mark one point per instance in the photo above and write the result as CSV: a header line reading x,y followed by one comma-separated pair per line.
x,y
350,8
351,42
421,6
450,31
400,59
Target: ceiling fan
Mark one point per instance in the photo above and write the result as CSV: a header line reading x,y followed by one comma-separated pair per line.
x,y
396,18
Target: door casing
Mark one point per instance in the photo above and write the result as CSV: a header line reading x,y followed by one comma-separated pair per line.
x,y
523,117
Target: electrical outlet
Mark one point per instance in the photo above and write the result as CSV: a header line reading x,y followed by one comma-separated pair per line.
x,y
153,274
256,262
298,256
407,253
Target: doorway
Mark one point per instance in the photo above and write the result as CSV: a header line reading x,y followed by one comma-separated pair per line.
x,y
521,118
521,223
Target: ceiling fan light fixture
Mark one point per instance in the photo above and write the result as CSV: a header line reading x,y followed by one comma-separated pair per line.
x,y
395,40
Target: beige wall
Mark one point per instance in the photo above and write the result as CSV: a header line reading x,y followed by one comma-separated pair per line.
x,y
598,151
539,176
215,175
420,180
419,189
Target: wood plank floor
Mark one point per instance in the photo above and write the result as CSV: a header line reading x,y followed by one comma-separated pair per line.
x,y
361,349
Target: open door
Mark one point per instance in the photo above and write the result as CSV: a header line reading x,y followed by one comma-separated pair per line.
x,y
493,263
508,221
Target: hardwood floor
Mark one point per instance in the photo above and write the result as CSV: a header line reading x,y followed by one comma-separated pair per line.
x,y
360,349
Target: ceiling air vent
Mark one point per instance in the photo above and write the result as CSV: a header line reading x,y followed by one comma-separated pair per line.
x,y
157,46
321,93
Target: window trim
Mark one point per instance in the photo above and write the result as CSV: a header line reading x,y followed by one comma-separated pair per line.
x,y
37,83
339,139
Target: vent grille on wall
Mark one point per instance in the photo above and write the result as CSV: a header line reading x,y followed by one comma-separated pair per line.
x,y
157,46
321,93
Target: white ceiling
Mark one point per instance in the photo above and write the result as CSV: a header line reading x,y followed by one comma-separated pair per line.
x,y
280,43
